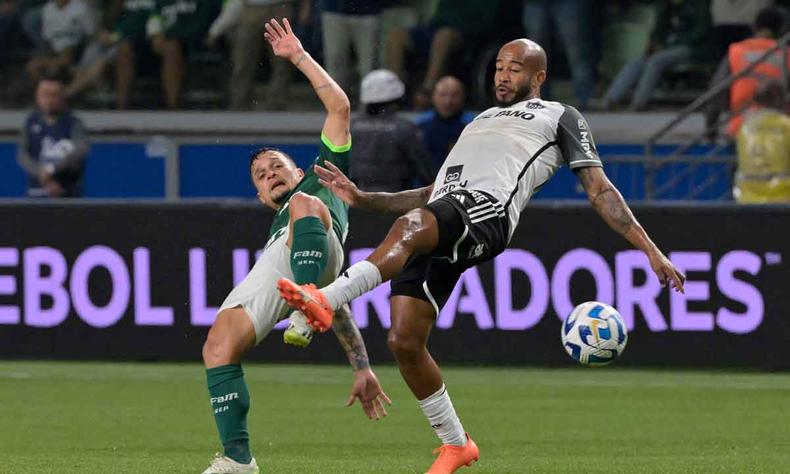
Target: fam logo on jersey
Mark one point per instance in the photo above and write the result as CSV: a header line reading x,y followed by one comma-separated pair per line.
x,y
534,106
453,174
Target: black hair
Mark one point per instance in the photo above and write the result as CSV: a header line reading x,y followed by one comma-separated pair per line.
x,y
380,108
59,78
773,19
265,149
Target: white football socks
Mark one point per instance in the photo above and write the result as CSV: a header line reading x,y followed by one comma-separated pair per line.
x,y
441,415
358,279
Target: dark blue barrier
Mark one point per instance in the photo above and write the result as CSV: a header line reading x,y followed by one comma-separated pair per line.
x,y
121,170
118,170
224,170
13,181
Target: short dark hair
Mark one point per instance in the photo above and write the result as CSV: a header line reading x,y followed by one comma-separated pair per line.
x,y
379,108
59,78
773,19
265,149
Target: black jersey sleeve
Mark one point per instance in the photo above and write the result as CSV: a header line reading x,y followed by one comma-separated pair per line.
x,y
575,140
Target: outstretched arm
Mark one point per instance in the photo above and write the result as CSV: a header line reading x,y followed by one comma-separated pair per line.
x,y
333,178
611,206
366,385
286,45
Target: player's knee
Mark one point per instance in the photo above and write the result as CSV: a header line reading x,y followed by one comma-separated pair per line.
x,y
303,205
217,350
409,228
405,348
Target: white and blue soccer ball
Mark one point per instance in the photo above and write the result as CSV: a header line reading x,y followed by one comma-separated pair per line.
x,y
594,334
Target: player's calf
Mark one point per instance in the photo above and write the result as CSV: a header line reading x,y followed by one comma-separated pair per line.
x,y
229,338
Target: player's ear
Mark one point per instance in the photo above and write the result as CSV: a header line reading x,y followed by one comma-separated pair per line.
x,y
538,79
300,172
261,199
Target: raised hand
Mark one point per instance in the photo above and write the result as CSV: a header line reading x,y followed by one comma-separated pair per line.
x,y
371,396
284,42
333,179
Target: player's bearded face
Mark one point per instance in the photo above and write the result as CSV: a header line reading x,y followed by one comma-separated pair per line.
x,y
506,95
274,176
512,79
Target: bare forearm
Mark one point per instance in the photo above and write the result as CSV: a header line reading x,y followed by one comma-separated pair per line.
x,y
351,340
611,206
400,203
331,95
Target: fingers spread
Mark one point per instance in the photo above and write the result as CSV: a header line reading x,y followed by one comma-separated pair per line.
x,y
278,27
287,26
381,412
386,398
272,32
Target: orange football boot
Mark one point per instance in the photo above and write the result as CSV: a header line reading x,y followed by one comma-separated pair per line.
x,y
451,457
310,301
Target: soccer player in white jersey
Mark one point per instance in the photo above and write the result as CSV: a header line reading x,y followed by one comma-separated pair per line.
x,y
466,217
305,242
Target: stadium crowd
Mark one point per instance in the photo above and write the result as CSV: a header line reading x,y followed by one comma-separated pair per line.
x,y
434,56
210,54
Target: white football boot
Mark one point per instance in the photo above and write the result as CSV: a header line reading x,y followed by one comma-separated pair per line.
x,y
299,332
225,465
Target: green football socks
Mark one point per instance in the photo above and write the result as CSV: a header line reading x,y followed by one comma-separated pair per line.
x,y
230,401
309,250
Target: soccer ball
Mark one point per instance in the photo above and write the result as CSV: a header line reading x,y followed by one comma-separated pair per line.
x,y
594,334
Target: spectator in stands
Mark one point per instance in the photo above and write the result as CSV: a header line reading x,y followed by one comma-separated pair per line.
x,y
347,23
732,21
53,144
768,26
764,149
122,42
9,15
679,36
571,21
176,29
66,26
454,22
389,155
246,20
442,125
401,14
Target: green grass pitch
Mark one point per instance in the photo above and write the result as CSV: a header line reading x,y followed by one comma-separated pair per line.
x,y
62,417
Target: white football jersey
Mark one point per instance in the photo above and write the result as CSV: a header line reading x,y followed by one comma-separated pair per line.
x,y
510,152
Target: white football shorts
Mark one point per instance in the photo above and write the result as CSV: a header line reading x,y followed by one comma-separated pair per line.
x,y
257,293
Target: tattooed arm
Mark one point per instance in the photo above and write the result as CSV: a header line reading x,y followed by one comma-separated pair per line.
x,y
350,339
366,385
336,181
611,206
